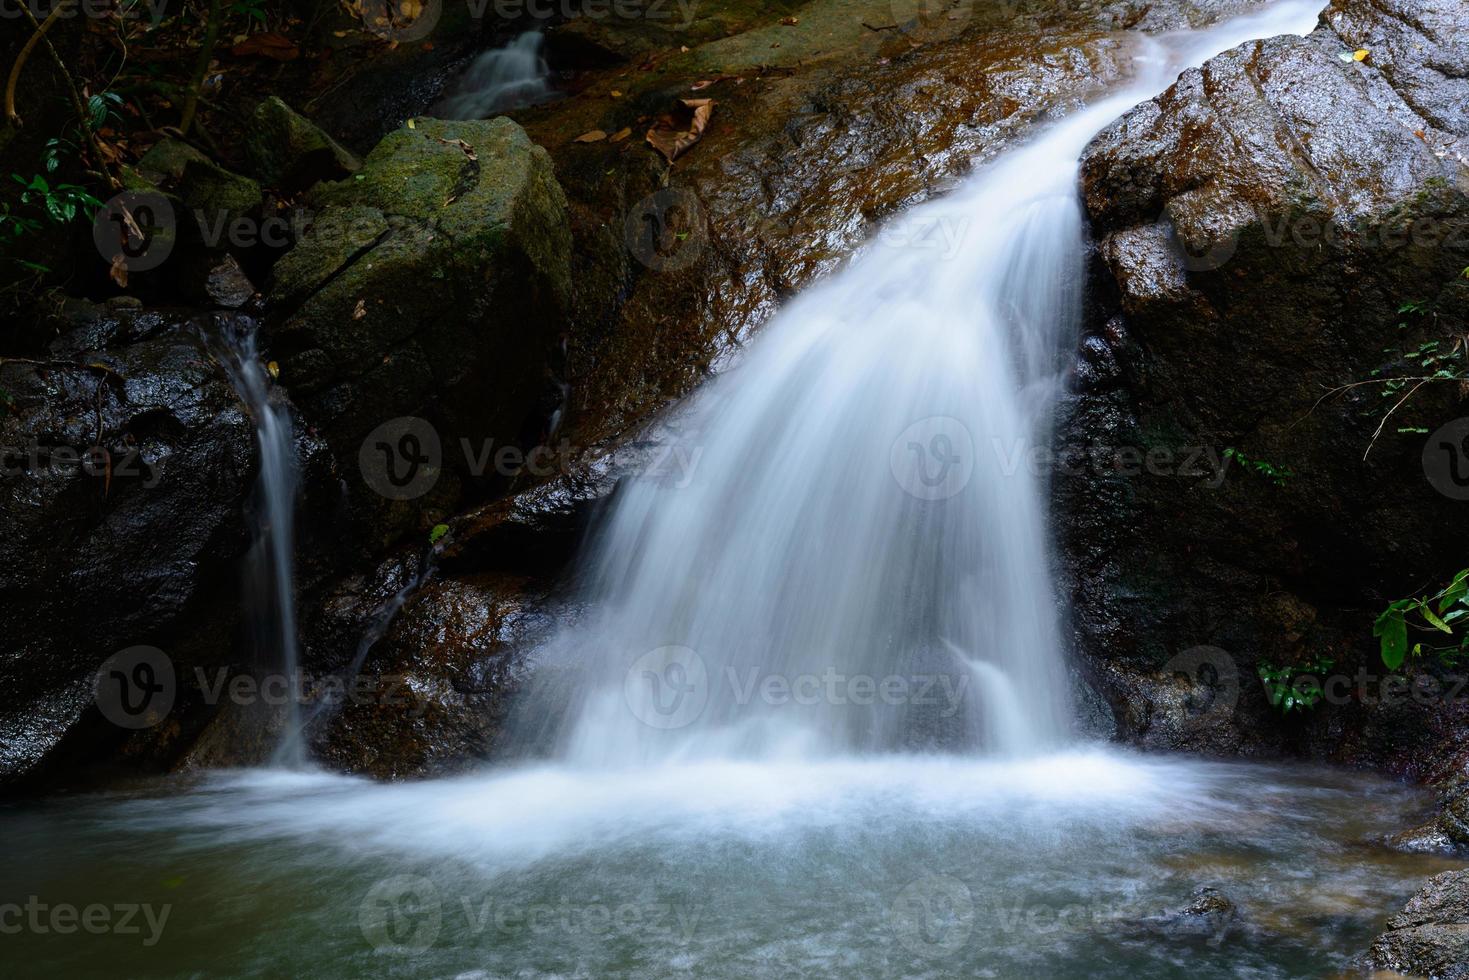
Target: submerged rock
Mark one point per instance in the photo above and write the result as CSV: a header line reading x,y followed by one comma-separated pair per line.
x,y
1430,936
1210,916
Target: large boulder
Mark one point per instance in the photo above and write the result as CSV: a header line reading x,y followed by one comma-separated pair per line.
x,y
433,284
1430,936
128,462
1279,234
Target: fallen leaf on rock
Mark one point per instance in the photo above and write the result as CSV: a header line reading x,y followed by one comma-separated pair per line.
x,y
1360,54
616,94
360,310
674,133
273,369
276,47
595,136
621,134
790,21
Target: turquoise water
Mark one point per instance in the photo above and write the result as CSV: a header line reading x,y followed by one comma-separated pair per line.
x,y
864,867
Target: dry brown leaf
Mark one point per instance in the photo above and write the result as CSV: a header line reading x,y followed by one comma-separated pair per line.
x,y
360,310
675,133
119,271
595,136
276,47
621,135
790,21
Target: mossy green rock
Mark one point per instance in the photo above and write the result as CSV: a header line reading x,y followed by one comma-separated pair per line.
x,y
164,163
217,198
289,151
434,283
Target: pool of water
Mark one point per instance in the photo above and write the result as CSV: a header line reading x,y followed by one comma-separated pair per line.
x,y
914,866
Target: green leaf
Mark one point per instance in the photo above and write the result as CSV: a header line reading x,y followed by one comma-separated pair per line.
x,y
437,533
1393,632
1456,591
1434,621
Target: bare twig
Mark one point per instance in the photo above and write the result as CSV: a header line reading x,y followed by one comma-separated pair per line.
x,y
11,116
201,67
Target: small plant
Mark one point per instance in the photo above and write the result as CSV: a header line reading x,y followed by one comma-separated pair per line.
x,y
1295,687
60,202
1275,474
1435,615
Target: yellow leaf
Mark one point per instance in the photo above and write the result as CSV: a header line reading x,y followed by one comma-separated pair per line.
x,y
273,369
412,124
1360,54
595,136
616,94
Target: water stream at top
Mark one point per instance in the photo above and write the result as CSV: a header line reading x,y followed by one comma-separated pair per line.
x,y
512,76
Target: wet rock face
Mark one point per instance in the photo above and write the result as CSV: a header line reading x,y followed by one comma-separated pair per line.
x,y
1281,224
1430,936
433,692
434,283
128,462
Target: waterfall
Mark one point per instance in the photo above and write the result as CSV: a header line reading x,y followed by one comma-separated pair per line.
x,y
859,562
504,78
269,597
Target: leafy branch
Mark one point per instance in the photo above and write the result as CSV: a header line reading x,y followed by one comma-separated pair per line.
x,y
1435,614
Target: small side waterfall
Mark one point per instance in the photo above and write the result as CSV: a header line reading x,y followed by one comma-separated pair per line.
x,y
860,561
509,77
269,594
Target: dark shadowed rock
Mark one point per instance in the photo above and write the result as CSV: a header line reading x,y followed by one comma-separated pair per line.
x,y
290,152
434,283
127,466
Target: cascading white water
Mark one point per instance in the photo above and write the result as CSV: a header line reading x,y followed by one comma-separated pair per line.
x,y
269,594
861,512
512,76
